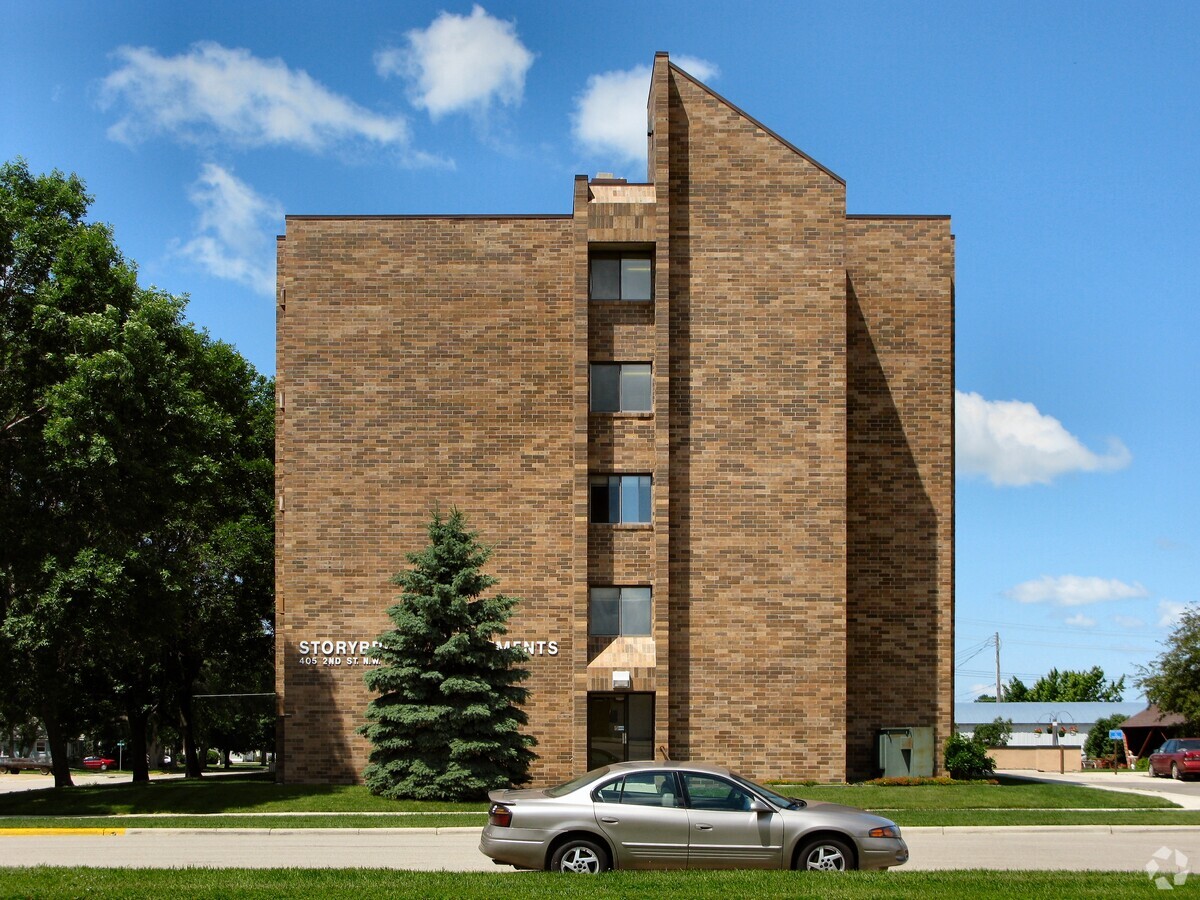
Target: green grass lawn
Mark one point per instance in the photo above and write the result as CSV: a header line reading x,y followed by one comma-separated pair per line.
x,y
1008,794
209,803
215,794
377,884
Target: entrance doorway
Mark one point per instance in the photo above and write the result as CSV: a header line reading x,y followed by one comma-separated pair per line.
x,y
620,727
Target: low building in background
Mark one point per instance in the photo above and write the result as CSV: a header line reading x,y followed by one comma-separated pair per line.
x,y
706,422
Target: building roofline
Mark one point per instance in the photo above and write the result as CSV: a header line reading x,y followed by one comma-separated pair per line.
x,y
900,216
480,216
741,112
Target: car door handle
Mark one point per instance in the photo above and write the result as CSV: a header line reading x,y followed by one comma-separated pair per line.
x,y
704,828
609,820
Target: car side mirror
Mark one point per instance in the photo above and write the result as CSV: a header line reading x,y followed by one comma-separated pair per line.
x,y
759,807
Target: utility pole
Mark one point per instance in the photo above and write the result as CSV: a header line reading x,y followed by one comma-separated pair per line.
x,y
999,696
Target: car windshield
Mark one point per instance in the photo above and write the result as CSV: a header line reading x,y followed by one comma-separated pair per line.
x,y
575,783
1189,745
777,799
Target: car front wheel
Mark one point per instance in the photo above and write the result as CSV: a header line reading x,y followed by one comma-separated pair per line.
x,y
581,857
103,767
826,855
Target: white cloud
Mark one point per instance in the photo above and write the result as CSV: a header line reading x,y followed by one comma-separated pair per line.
x,y
1012,443
461,63
610,114
1074,590
215,93
1079,620
1169,612
235,230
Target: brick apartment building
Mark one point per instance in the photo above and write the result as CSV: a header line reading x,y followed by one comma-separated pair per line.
x,y
706,422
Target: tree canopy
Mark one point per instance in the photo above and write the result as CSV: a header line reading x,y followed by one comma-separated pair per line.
x,y
1067,686
136,458
1172,681
446,724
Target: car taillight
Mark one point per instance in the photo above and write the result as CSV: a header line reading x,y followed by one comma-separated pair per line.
x,y
1191,754
500,815
885,831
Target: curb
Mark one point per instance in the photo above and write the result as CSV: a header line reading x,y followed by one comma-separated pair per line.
x,y
1044,829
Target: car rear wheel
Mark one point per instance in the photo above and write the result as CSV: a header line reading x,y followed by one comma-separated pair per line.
x,y
826,855
103,767
580,856
1175,773
45,770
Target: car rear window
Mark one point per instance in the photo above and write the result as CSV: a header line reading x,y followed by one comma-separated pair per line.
x,y
576,783
1189,745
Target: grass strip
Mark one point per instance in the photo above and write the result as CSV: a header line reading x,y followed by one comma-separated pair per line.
x,y
1006,795
308,883
224,794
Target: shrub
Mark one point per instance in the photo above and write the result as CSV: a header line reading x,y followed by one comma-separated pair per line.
x,y
967,759
994,734
1098,744
1143,764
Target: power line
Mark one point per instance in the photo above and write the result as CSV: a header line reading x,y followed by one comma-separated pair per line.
x,y
1057,629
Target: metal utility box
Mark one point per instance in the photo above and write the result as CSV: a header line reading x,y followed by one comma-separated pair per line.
x,y
906,752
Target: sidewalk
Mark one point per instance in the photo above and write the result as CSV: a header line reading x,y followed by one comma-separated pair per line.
x,y
1186,794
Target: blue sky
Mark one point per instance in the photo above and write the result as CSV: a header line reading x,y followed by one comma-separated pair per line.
x,y
1062,138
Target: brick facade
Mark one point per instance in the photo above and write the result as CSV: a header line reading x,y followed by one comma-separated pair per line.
x,y
800,544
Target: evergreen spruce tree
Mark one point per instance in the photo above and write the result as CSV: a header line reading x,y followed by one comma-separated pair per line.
x,y
446,724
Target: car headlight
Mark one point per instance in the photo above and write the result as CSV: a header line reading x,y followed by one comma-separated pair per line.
x,y
885,831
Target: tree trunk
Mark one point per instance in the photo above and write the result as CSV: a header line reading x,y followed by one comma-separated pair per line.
x,y
58,751
137,744
187,730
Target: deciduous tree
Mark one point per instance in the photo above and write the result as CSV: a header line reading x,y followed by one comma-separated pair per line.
x,y
1172,681
1067,686
126,436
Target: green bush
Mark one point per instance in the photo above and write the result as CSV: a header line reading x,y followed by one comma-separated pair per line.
x,y
214,758
1143,764
994,734
967,759
1098,744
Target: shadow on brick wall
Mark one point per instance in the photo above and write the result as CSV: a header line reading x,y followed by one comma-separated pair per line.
x,y
892,563
681,650
312,732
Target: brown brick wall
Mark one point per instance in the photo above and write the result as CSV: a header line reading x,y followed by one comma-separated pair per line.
x,y
758,474
900,323
422,361
801,443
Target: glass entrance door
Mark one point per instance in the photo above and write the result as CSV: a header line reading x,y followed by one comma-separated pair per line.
x,y
620,727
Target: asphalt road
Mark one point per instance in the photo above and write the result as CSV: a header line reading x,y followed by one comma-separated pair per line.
x,y
1087,847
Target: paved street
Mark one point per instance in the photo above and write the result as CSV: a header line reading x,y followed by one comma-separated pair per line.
x,y
1082,847
1090,847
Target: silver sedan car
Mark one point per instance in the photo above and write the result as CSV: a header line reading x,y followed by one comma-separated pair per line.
x,y
675,815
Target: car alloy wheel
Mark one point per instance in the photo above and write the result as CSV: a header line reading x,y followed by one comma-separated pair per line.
x,y
826,855
1175,772
580,857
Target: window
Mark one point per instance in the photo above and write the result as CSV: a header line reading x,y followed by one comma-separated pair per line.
x,y
640,789
620,498
618,610
620,387
710,792
621,276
